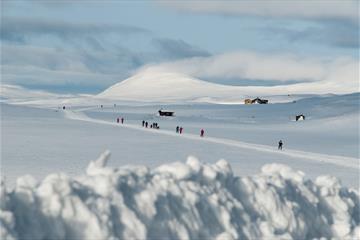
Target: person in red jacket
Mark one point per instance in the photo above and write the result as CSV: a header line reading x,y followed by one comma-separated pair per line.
x,y
202,133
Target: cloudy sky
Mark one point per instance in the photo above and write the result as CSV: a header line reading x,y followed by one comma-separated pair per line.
x,y
85,46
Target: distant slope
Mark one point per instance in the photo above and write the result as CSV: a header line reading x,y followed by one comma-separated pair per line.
x,y
160,85
150,85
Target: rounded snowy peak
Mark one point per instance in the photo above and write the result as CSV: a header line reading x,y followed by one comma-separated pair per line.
x,y
160,85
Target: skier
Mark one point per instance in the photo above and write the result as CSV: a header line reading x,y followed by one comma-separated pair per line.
x,y
122,120
280,145
177,129
63,107
146,124
118,120
202,133
181,130
143,123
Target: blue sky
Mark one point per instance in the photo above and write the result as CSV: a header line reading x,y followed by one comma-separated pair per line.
x,y
86,46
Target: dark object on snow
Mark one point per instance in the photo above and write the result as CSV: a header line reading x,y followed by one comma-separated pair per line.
x,y
143,123
300,117
259,101
248,101
181,130
280,145
146,124
166,113
202,133
64,107
118,120
122,120
177,129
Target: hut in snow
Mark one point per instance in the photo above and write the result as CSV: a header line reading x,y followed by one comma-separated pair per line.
x,y
300,117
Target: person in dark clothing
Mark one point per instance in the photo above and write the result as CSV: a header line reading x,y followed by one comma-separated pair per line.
x,y
177,129
280,145
63,107
202,133
118,120
181,130
143,123
146,124
122,120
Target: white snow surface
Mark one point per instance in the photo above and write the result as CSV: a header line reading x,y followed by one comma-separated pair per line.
x,y
189,200
152,84
149,85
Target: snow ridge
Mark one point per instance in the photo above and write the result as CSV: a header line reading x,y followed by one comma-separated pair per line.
x,y
189,200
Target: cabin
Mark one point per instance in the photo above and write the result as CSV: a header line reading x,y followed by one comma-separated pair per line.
x,y
248,101
300,117
166,113
259,101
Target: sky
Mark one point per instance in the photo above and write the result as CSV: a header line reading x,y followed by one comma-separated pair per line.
x,y
86,46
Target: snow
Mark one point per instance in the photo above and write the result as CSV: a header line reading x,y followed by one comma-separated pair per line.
x,y
159,84
147,191
39,141
154,85
191,200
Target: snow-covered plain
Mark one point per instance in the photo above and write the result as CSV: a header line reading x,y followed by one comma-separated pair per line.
x,y
179,200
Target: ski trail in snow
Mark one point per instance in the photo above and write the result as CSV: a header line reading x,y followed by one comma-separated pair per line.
x,y
333,159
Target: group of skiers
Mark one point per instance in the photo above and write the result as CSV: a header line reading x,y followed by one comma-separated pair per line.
x,y
153,125
178,129
118,120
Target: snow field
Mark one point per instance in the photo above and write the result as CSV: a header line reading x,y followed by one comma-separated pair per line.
x,y
189,200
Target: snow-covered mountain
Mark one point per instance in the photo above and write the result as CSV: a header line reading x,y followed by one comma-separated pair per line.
x,y
152,85
161,85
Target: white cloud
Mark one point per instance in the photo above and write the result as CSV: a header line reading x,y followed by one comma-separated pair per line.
x,y
314,9
339,75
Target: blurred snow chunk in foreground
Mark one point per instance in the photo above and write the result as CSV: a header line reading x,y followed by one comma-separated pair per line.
x,y
189,200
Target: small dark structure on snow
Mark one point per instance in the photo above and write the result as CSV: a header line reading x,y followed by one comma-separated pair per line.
x,y
259,101
300,117
166,113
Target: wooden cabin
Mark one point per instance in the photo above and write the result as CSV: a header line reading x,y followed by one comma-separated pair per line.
x,y
259,101
166,113
300,117
248,101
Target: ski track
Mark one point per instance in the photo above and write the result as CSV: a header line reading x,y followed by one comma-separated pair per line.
x,y
325,158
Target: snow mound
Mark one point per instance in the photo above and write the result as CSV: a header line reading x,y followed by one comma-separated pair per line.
x,y
189,200
160,85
